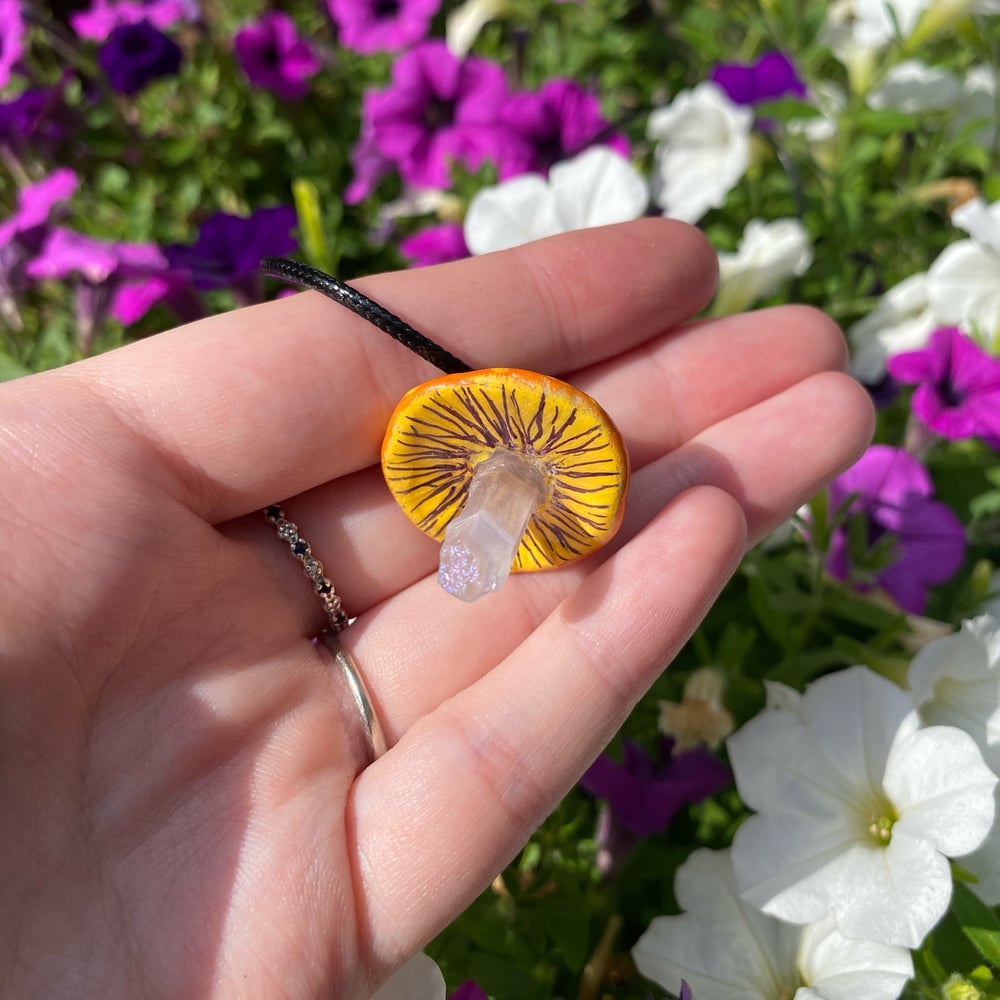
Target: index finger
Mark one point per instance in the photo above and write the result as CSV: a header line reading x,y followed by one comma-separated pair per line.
x,y
263,403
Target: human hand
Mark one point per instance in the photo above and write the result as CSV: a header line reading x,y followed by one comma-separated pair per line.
x,y
181,810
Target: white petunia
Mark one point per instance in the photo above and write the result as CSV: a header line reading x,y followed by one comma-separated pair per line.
x,y
419,979
858,809
963,283
913,86
769,254
702,151
727,950
974,113
596,188
464,23
956,682
902,321
856,30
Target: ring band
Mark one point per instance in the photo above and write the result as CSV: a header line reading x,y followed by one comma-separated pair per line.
x,y
288,531
374,736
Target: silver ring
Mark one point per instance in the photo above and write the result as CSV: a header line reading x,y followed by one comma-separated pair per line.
x,y
374,735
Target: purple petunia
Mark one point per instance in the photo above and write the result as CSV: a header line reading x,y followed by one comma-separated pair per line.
x,y
772,76
892,496
958,386
468,990
381,25
642,795
35,203
23,234
437,109
558,121
12,32
38,116
118,279
274,56
136,54
104,16
435,245
229,248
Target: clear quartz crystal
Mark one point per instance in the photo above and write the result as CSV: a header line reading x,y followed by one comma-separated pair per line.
x,y
481,541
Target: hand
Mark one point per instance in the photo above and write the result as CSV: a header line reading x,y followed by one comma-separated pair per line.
x,y
181,813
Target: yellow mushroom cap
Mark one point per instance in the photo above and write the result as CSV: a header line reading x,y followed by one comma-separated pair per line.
x,y
441,430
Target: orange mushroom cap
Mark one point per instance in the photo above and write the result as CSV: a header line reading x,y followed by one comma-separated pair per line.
x,y
441,430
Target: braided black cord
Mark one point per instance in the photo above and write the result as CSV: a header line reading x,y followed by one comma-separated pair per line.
x,y
351,298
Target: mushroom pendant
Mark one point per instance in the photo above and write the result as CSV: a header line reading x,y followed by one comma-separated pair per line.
x,y
512,471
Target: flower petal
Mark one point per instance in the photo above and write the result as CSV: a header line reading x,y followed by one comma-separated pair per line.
x,y
963,285
841,969
419,979
509,214
597,188
757,960
942,789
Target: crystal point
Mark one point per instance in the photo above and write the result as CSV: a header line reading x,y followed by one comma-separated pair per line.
x,y
481,541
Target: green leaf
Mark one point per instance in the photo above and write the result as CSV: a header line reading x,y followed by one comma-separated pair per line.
x,y
307,205
979,923
11,368
774,623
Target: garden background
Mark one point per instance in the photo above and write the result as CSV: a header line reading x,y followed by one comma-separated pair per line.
x,y
842,155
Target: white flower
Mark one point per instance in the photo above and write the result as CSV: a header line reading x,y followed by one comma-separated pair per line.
x,y
726,950
855,31
769,254
913,86
975,110
703,149
419,979
596,188
858,809
956,682
963,284
902,321
463,24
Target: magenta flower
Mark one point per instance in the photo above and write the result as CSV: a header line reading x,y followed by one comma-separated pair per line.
x,y
118,279
370,166
35,203
642,795
558,121
468,991
136,54
772,76
437,109
892,496
12,32
23,234
958,386
381,25
274,56
229,248
435,245
104,16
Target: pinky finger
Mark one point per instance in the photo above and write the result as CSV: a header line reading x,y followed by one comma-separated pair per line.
x,y
437,817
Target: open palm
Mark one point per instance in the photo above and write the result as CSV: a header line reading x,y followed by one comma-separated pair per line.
x,y
180,806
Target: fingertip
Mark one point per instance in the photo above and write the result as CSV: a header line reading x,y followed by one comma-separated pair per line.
x,y
829,342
